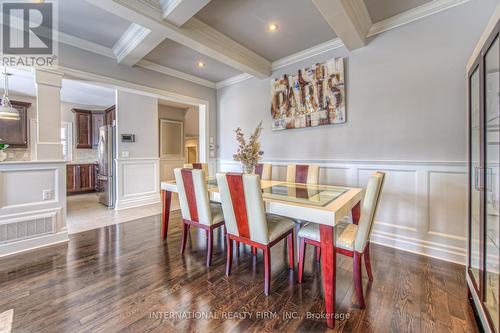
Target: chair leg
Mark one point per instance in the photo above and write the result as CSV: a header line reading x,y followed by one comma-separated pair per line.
x,y
237,249
318,254
254,250
291,251
302,254
358,281
368,264
185,231
229,260
210,238
267,271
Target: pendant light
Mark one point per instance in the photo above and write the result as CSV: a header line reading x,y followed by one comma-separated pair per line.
x,y
7,112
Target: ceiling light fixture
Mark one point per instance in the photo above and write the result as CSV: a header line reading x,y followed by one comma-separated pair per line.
x,y
200,64
272,27
7,112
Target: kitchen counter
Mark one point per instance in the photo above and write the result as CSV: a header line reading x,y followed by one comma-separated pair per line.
x,y
81,162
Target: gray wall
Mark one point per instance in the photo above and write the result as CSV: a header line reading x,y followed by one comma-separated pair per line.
x,y
405,96
137,114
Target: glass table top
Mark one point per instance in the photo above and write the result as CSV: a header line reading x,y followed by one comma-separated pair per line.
x,y
315,195
307,194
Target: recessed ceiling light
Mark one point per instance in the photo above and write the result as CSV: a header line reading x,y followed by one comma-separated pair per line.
x,y
272,27
200,64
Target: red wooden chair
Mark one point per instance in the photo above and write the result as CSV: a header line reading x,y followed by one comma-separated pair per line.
x,y
196,208
352,240
247,222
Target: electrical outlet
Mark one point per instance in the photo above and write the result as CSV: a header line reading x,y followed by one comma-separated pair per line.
x,y
47,194
125,154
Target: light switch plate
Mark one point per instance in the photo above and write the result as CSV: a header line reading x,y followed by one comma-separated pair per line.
x,y
47,194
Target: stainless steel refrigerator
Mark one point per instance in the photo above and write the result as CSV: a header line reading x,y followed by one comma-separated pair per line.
x,y
105,163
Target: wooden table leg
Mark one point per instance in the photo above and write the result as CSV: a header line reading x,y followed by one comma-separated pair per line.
x,y
166,198
329,265
356,213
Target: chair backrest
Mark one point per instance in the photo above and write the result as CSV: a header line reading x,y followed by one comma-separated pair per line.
x,y
243,207
199,166
193,195
305,174
264,170
369,210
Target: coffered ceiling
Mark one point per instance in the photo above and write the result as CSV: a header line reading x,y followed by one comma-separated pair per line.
x,y
300,24
230,37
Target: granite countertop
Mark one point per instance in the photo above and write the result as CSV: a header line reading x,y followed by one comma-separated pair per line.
x,y
81,162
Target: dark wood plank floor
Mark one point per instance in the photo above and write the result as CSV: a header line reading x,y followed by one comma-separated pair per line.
x,y
125,278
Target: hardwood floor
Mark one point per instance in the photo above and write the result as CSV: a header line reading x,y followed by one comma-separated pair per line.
x,y
125,278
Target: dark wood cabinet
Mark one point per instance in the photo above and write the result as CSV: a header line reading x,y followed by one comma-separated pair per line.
x,y
109,115
87,125
83,124
15,132
80,178
71,178
97,122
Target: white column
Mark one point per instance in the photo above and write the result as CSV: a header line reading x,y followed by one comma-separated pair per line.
x,y
48,104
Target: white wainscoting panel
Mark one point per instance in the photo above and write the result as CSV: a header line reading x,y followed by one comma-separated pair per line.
x,y
423,204
138,182
27,220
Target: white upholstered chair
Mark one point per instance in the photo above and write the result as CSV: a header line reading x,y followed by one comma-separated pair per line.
x,y
305,174
264,170
247,222
195,206
199,166
351,239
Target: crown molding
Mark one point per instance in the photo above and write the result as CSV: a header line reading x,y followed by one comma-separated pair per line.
x,y
289,60
414,14
175,73
233,80
307,53
130,39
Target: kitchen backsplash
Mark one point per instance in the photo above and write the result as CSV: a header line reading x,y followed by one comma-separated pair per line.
x,y
79,155
18,154
85,155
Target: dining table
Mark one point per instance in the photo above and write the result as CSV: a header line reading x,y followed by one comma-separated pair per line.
x,y
321,204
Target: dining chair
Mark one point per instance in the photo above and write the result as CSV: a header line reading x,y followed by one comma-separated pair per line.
x,y
351,239
247,221
305,174
199,166
196,208
264,170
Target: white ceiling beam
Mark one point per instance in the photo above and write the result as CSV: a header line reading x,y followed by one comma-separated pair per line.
x,y
178,12
348,18
194,34
135,43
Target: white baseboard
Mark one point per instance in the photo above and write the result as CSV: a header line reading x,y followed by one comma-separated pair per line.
x,y
33,243
136,202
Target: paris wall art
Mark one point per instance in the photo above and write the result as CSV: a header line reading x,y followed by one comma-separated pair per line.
x,y
311,97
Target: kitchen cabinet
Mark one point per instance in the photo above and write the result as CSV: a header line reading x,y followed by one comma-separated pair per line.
x,y
83,121
97,122
483,191
80,178
110,115
15,132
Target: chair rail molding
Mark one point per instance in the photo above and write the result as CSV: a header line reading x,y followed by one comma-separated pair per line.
x,y
423,204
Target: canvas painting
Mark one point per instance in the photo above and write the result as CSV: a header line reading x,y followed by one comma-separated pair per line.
x,y
312,97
